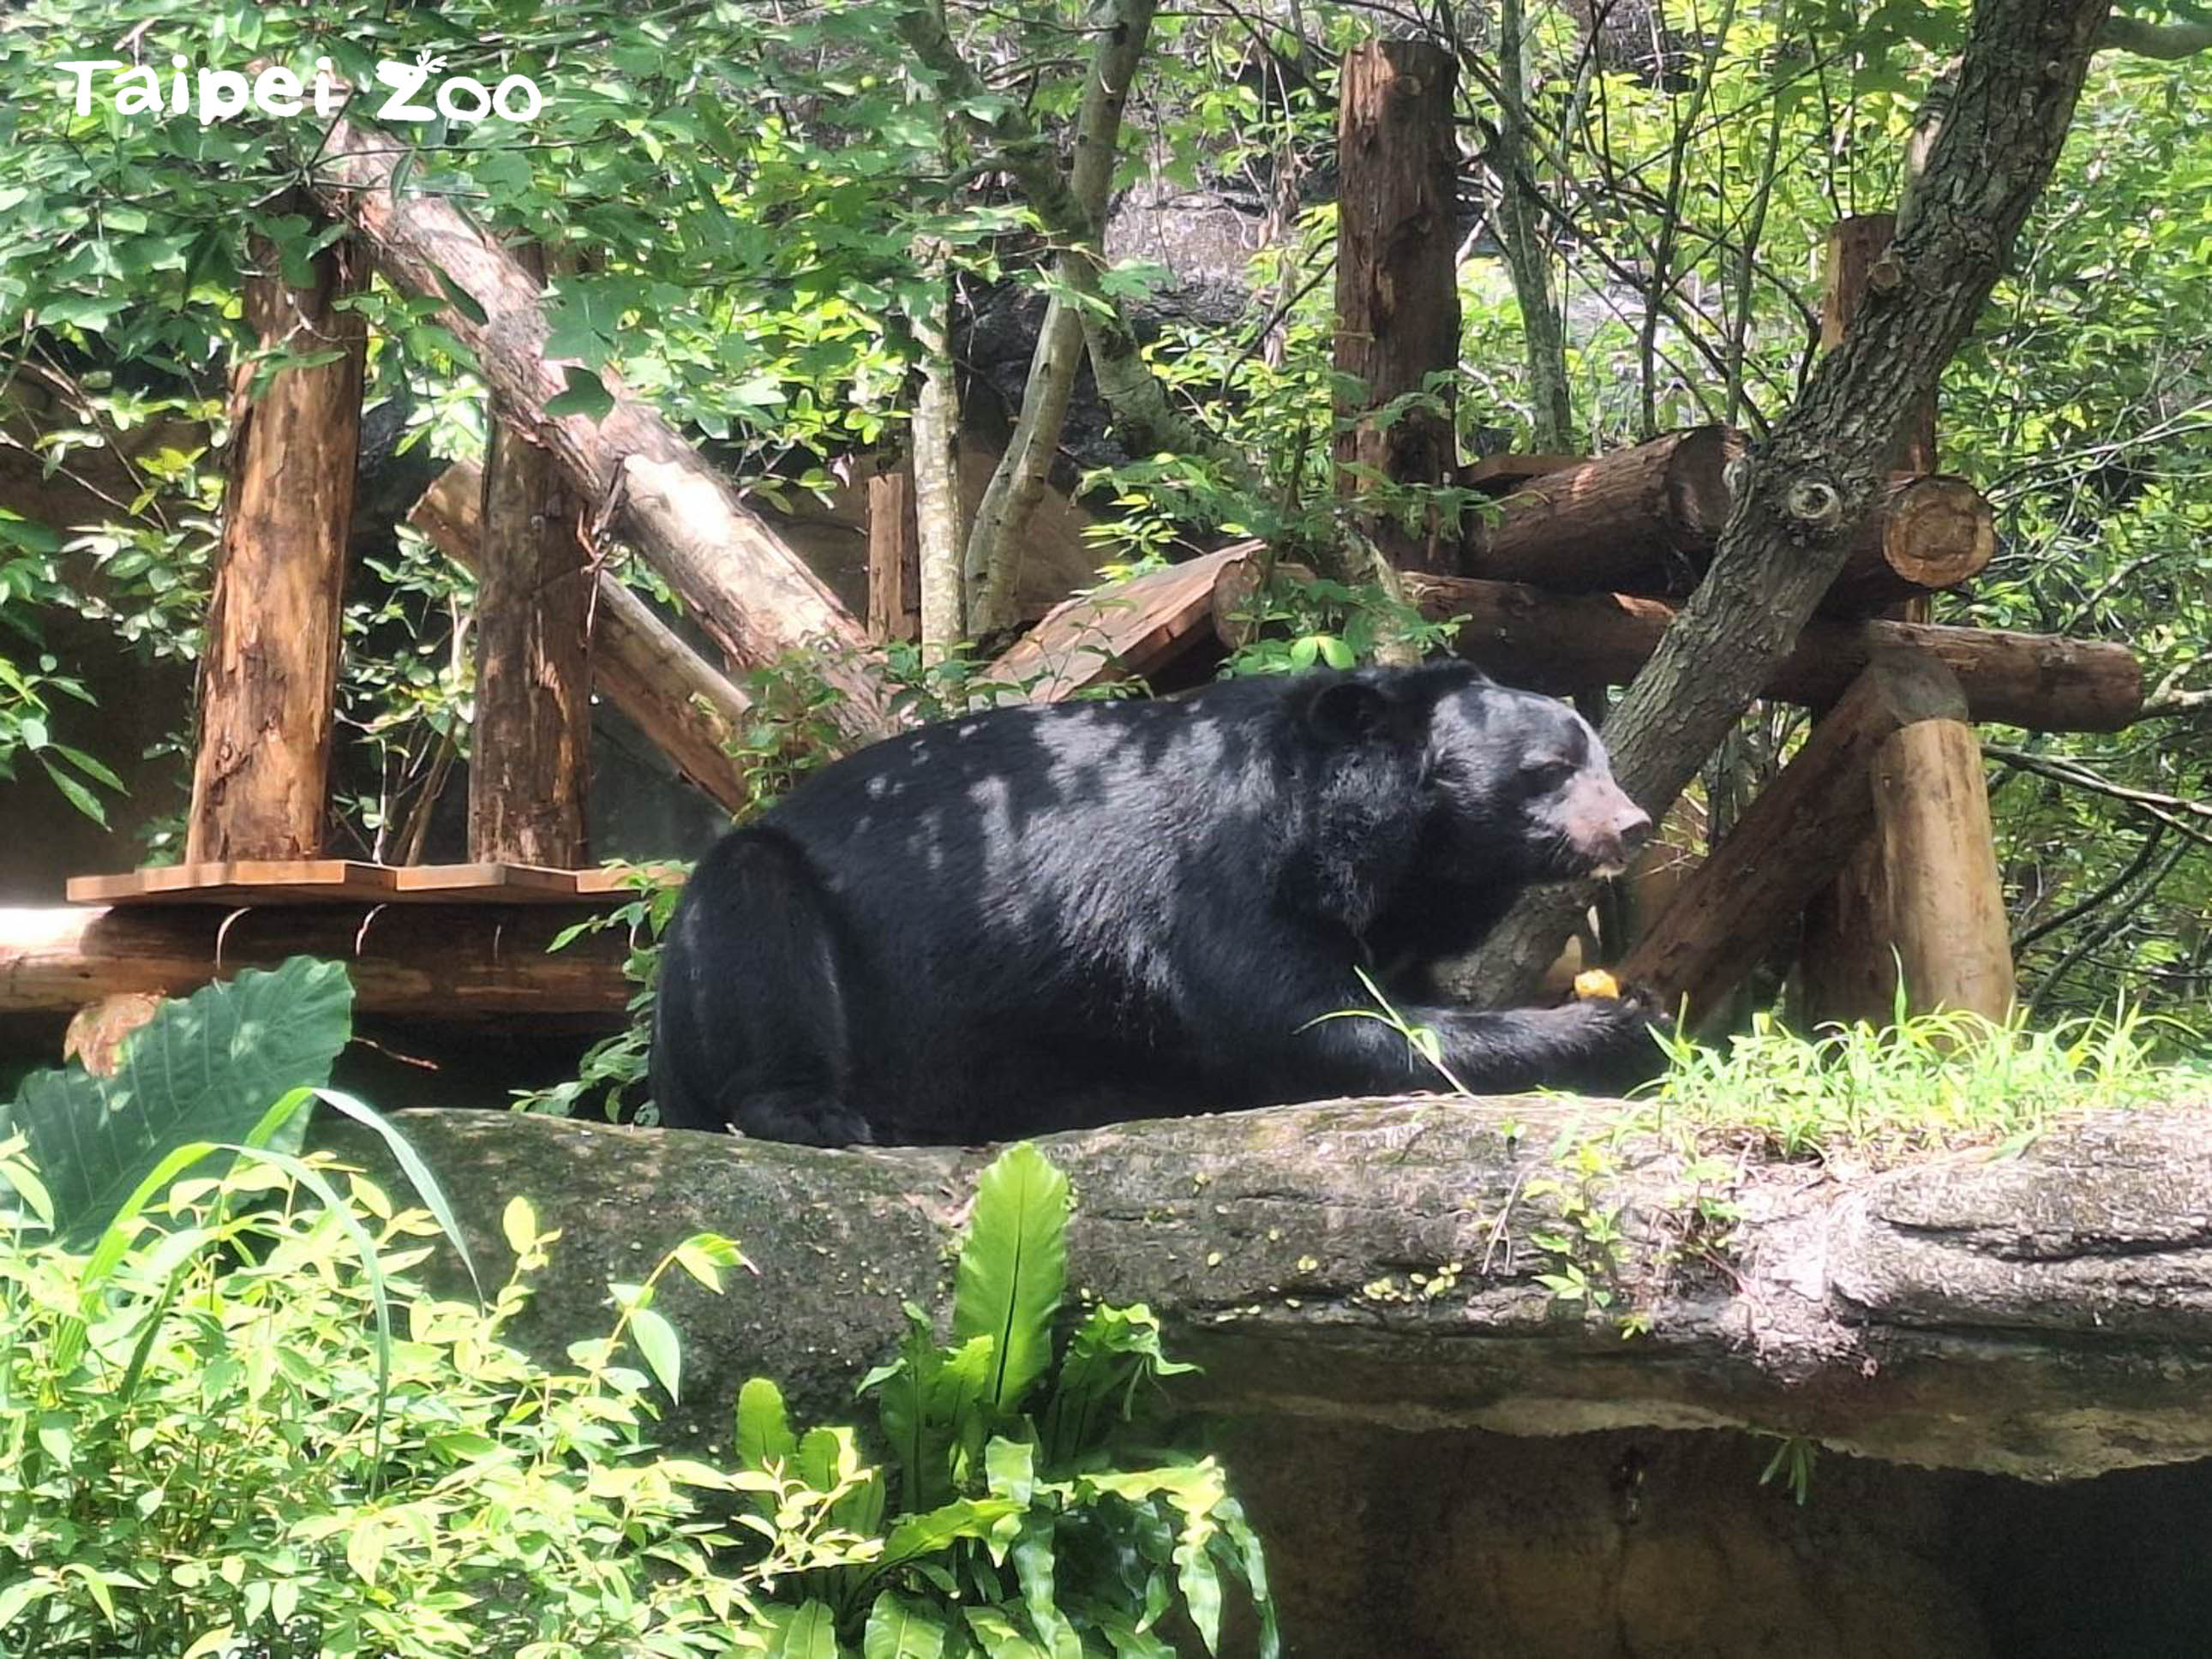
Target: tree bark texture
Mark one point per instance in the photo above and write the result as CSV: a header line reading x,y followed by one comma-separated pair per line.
x,y
268,680
2044,1315
751,593
1810,484
686,707
1559,642
1397,295
529,752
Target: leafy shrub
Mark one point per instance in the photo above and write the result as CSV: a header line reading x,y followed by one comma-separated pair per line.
x,y
232,1423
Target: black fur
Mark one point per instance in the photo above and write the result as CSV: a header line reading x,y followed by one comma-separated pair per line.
x,y
1043,918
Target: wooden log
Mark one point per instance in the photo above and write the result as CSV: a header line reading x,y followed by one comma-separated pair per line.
x,y
1792,840
268,679
1559,641
1846,971
430,962
751,593
2044,1315
530,751
1397,294
894,558
685,706
1646,520
1945,898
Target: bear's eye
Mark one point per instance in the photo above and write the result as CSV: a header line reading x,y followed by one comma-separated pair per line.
x,y
1544,775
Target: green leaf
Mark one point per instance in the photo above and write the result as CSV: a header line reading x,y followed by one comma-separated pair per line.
x,y
657,1341
809,1633
1013,1269
202,1070
587,395
460,298
902,1629
75,793
942,1528
764,1435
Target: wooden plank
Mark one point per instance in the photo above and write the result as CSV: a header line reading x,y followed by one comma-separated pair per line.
x,y
1125,630
1495,475
342,881
486,881
241,881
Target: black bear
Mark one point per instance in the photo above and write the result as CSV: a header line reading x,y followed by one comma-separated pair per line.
x,y
1044,918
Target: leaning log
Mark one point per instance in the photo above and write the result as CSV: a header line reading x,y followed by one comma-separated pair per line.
x,y
1561,642
444,962
1646,520
2045,1314
685,706
1795,837
749,591
268,681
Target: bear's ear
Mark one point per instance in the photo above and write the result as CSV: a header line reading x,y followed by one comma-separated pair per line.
x,y
1347,710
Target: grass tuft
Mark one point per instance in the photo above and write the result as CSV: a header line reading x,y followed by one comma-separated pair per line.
x,y
1926,1081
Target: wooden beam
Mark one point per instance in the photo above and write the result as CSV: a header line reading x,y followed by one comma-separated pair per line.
x,y
1946,912
1397,294
751,593
894,558
530,749
685,706
1795,837
1119,632
1559,641
268,679
433,962
1646,520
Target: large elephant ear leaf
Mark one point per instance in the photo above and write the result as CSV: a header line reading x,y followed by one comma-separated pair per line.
x,y
204,1069
1013,1269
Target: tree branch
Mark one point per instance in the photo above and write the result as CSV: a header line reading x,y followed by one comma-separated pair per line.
x,y
2169,41
1810,483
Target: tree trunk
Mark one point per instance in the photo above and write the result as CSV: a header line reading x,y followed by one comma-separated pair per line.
x,y
530,756
751,593
1529,254
1397,294
1559,642
1796,836
268,680
1810,483
936,449
995,541
684,705
2042,1315
894,558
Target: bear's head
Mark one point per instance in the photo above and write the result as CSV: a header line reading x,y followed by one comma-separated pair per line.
x,y
1515,786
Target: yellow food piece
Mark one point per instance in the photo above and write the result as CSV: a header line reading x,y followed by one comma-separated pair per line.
x,y
1597,982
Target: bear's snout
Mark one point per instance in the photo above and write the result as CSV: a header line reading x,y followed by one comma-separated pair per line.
x,y
1606,828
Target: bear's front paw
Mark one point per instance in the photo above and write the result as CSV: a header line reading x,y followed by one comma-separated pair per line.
x,y
1624,1035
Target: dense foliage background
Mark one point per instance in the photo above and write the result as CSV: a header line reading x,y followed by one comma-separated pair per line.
x,y
750,206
